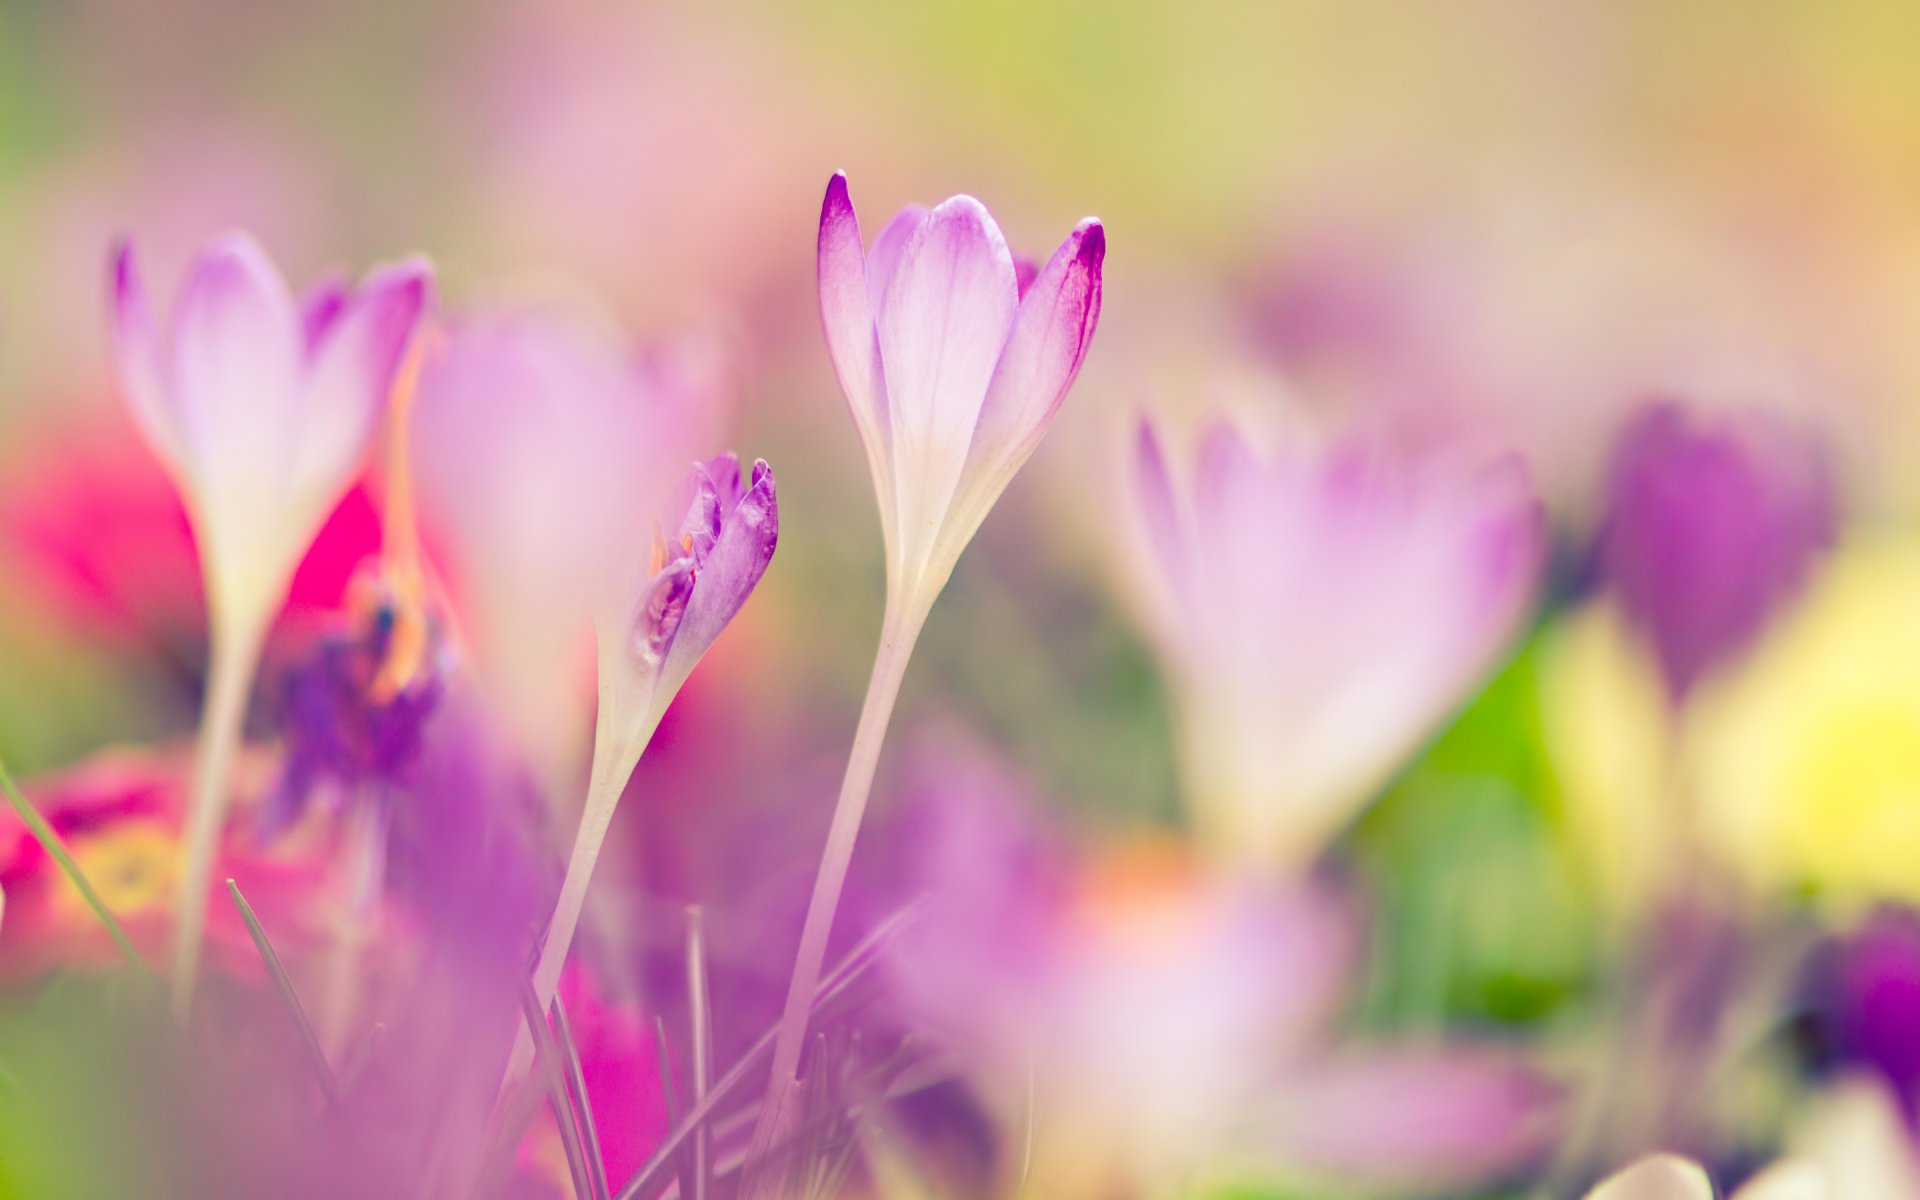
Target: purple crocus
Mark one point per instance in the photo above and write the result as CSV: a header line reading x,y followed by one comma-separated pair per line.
x,y
715,541
953,360
261,408
1320,610
1711,524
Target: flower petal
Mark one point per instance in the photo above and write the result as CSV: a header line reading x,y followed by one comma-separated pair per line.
x,y
1414,1116
237,352
137,357
352,370
739,557
1043,354
846,318
1162,521
1662,1177
947,313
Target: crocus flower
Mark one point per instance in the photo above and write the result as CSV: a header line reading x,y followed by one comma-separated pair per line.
x,y
1319,611
1155,1024
262,410
1710,526
953,361
708,554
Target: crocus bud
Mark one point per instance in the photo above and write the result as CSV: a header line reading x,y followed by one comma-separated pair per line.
x,y
1710,526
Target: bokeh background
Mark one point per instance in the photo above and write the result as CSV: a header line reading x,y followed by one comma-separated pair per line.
x,y
1518,219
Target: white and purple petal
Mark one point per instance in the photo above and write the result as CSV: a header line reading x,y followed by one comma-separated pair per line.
x,y
749,532
947,313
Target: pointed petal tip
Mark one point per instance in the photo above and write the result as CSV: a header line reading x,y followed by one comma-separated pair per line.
x,y
1093,242
838,202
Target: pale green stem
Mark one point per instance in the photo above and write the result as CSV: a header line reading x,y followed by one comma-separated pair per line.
x,y
616,752
898,634
364,869
235,656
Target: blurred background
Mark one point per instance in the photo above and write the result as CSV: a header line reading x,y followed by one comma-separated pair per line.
x,y
1513,220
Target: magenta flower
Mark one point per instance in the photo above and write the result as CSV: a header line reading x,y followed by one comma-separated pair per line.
x,y
1319,612
1711,526
953,363
261,408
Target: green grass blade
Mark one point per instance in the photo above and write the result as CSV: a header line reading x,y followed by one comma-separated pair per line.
x,y
57,850
328,1085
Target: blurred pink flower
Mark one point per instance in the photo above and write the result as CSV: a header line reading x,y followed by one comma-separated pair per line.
x,y
261,410
121,815
1154,1023
543,450
1319,612
98,532
953,360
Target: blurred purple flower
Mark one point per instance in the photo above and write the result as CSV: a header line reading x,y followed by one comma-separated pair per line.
x,y
1710,526
953,369
1874,999
261,409
1319,611
1160,1022
342,725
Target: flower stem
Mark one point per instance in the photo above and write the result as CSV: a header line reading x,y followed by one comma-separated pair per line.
x,y
235,656
616,751
898,634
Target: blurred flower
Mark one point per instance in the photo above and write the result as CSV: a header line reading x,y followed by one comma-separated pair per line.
x,y
543,449
953,360
1872,989
343,723
1157,1027
1319,612
1808,757
120,814
1711,525
1849,1144
1664,1177
261,410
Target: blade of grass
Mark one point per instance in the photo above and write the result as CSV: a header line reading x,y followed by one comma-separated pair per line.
x,y
665,1054
57,850
328,1085
842,976
577,1081
546,1065
700,1010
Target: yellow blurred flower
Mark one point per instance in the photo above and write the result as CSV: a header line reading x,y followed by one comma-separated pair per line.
x,y
1809,756
1801,765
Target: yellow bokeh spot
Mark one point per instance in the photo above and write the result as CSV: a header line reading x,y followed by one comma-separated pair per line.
x,y
132,865
1810,756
